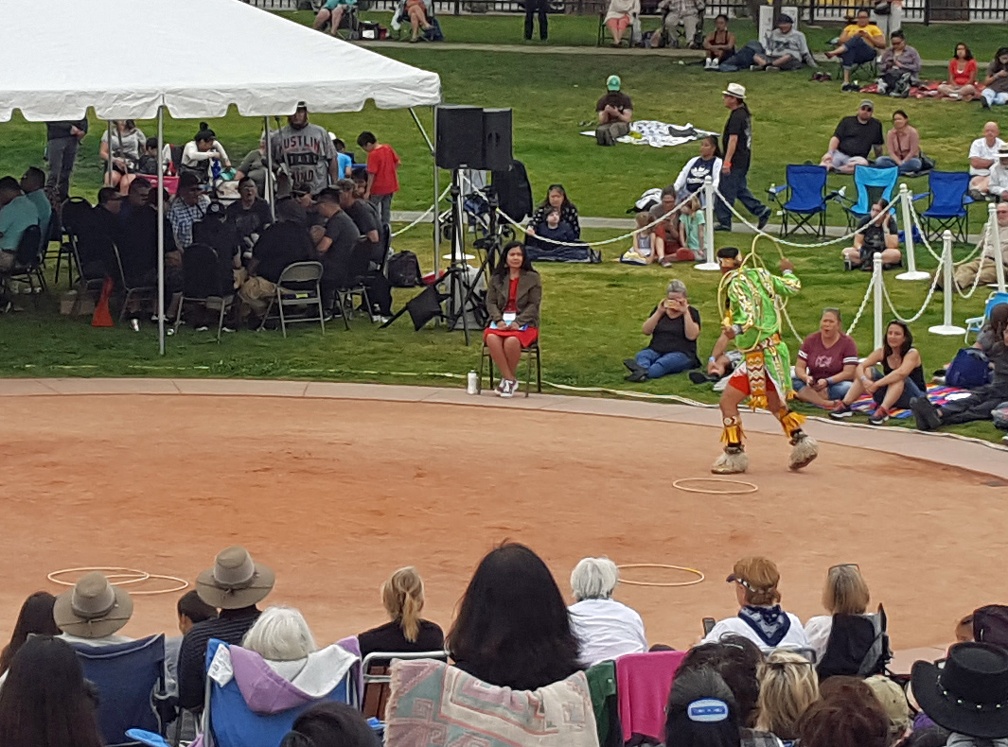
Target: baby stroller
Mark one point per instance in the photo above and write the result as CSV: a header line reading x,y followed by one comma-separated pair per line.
x,y
475,208
400,21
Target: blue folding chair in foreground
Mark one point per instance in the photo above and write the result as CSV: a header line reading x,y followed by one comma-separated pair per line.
x,y
872,185
947,207
805,190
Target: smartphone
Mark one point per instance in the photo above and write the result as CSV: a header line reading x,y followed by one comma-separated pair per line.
x,y
708,625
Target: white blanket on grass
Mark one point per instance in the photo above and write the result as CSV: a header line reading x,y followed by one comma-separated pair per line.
x,y
659,134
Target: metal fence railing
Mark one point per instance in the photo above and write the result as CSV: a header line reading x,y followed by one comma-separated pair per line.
x,y
811,11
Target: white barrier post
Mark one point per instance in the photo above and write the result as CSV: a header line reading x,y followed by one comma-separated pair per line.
x,y
912,272
711,263
879,300
996,243
948,286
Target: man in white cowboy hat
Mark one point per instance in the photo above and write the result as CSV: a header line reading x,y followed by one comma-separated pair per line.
x,y
737,144
93,611
234,585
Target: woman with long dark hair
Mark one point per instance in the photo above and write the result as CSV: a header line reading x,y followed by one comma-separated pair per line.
x,y
512,628
995,90
691,179
901,378
45,702
556,200
202,152
512,303
35,618
962,74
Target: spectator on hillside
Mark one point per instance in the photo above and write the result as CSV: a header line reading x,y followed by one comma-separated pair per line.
x,y
691,231
250,214
62,140
902,145
512,628
148,163
416,10
382,168
691,178
899,67
784,48
234,585
719,44
604,627
901,378
619,16
614,111
304,154
93,611
363,216
188,207
737,140
853,139
45,701
513,299
701,711
845,593
403,598
995,91
788,686
997,181
674,327
204,156
254,166
878,234
860,42
556,199
17,213
664,221
33,186
675,12
760,617
328,725
962,74
335,246
965,275
847,718
128,144
983,154
825,365
331,13
35,618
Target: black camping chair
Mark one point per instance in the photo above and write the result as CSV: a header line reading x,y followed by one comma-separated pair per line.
x,y
858,646
73,215
203,283
27,266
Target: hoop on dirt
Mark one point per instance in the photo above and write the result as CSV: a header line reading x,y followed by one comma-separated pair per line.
x,y
119,576
686,485
662,584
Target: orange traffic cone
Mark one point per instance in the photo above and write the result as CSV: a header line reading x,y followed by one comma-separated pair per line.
x,y
102,317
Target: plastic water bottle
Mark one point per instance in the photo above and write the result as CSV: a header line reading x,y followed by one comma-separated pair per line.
x,y
472,383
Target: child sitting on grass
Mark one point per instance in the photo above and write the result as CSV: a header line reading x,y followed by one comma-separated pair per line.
x,y
691,231
648,248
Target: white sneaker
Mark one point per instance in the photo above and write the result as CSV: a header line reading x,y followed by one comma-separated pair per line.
x,y
715,63
707,63
501,387
509,389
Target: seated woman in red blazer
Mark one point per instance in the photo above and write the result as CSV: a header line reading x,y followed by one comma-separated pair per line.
x,y
512,301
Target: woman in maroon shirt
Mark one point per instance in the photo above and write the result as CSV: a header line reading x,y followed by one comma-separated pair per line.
x,y
512,303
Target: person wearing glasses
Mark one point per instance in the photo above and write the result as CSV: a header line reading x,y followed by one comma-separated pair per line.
x,y
853,139
845,593
760,618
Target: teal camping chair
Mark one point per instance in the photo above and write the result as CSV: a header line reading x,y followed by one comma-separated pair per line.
x,y
872,185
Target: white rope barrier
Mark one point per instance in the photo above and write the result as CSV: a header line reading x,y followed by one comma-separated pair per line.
x,y
912,273
422,217
863,306
920,312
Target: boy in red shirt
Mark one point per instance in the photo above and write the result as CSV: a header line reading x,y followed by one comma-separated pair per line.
x,y
383,182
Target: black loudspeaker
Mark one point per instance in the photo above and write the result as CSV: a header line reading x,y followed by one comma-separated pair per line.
x,y
459,137
497,139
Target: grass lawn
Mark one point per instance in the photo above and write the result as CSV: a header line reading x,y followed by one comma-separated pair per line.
x,y
592,314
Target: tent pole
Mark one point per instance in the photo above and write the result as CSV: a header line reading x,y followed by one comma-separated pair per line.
x,y
269,169
437,191
108,142
160,232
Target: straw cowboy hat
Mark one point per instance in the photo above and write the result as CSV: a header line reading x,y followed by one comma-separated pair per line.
x,y
235,581
93,608
735,89
968,692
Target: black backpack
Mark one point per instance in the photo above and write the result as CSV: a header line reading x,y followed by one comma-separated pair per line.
x,y
403,270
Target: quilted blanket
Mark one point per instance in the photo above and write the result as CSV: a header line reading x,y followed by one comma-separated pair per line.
x,y
939,394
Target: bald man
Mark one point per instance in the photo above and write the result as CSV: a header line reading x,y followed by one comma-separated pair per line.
x,y
983,154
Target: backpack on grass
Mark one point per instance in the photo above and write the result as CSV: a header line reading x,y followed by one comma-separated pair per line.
x,y
403,270
970,369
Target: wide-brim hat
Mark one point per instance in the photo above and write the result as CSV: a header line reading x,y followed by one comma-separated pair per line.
x,y
235,581
968,692
93,608
735,89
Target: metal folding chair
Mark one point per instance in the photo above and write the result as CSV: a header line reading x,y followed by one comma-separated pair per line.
x,y
376,678
298,288
532,351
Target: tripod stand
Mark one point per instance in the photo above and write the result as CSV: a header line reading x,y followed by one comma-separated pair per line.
x,y
463,283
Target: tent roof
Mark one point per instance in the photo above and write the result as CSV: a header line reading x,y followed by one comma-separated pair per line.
x,y
197,57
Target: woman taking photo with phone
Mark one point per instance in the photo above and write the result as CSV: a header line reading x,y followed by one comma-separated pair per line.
x,y
674,327
512,303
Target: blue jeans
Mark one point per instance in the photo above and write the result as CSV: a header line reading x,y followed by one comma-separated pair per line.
x,y
833,391
992,98
908,166
733,187
910,390
662,364
858,52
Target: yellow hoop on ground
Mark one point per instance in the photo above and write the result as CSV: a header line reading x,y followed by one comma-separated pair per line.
x,y
128,576
751,487
663,566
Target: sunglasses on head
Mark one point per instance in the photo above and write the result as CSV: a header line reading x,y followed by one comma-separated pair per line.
x,y
838,566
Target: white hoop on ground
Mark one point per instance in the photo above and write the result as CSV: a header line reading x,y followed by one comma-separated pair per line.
x,y
751,487
132,576
662,584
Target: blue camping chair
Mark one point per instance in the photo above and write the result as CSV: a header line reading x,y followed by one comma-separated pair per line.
x,y
805,189
127,676
228,721
975,324
872,185
947,207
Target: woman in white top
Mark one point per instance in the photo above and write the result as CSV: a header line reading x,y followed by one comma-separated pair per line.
x,y
697,169
200,153
760,617
604,627
128,144
845,593
619,17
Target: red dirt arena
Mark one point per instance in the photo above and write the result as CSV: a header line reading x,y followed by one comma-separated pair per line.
x,y
335,486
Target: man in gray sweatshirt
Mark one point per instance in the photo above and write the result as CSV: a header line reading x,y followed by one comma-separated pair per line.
x,y
785,48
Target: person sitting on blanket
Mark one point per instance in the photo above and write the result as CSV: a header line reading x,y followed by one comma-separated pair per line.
x,y
995,91
674,327
903,145
556,200
555,230
826,363
982,269
691,231
981,402
901,378
962,74
604,627
666,227
691,178
877,233
784,48
860,42
719,44
512,628
614,111
899,67
853,139
512,303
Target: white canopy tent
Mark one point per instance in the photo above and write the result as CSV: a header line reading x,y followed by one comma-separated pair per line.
x,y
68,61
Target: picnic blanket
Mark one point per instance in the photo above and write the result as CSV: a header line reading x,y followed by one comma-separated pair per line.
x,y
938,394
659,134
925,89
433,703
